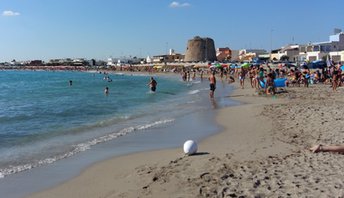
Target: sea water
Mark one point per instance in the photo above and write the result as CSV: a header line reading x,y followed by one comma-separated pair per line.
x,y
45,119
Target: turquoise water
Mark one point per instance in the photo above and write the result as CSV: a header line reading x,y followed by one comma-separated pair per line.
x,y
43,119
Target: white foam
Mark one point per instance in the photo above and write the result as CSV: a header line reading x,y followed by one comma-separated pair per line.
x,y
193,92
81,147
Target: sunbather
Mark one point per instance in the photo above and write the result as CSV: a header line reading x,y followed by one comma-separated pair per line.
x,y
327,148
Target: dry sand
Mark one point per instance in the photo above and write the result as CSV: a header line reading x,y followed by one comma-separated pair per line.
x,y
262,152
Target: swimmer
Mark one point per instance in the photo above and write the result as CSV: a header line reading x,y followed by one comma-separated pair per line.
x,y
70,82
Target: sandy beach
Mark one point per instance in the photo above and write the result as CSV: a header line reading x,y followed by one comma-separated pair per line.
x,y
261,152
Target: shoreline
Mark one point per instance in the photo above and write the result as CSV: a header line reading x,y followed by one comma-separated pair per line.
x,y
138,161
261,151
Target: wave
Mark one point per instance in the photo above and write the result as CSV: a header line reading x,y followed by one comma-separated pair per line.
x,y
81,147
194,92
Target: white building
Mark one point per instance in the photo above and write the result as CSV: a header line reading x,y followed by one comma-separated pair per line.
x,y
149,59
250,54
289,52
316,51
111,62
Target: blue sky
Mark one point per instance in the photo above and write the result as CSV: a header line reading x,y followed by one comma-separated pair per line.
x,y
46,29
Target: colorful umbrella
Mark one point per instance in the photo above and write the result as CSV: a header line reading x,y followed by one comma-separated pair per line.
x,y
245,65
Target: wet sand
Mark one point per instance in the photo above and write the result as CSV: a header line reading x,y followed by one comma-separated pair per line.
x,y
261,152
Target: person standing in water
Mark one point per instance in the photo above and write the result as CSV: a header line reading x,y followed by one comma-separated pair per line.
x,y
106,91
152,84
212,84
70,82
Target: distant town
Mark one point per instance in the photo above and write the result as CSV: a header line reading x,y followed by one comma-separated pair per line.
x,y
202,51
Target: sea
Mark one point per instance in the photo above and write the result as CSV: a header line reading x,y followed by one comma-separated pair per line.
x,y
53,124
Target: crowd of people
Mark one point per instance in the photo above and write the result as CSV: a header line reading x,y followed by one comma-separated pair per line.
x,y
263,76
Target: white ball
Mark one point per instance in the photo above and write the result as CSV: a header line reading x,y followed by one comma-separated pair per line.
x,y
190,147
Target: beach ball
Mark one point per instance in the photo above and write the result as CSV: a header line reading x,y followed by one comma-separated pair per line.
x,y
190,147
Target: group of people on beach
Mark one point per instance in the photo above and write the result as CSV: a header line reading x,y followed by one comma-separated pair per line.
x,y
262,77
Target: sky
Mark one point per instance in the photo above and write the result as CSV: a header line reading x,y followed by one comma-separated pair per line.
x,y
99,29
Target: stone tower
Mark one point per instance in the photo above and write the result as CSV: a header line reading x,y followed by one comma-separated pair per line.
x,y
200,49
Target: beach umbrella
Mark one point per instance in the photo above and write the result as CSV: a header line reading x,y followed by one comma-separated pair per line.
x,y
233,66
342,67
212,65
218,65
245,65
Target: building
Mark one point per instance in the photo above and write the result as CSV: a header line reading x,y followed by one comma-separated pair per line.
x,y
170,58
275,55
287,53
250,54
312,51
319,50
36,63
200,50
235,55
337,56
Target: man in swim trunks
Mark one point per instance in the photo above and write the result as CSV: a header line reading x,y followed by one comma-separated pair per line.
x,y
242,75
212,84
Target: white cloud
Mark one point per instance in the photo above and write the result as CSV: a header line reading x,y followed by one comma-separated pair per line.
x,y
10,13
176,4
